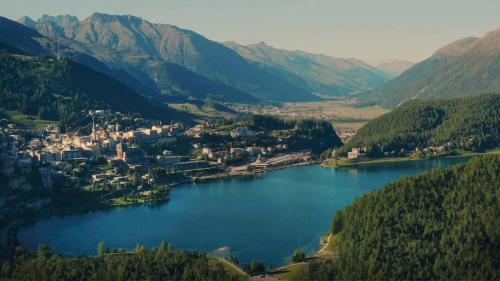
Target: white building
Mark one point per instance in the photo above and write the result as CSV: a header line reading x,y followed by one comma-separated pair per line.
x,y
242,132
355,153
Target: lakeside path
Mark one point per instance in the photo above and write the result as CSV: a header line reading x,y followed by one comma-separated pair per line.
x,y
323,250
291,271
232,266
343,163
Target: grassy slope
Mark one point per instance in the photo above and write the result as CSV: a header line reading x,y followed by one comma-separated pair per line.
x,y
28,121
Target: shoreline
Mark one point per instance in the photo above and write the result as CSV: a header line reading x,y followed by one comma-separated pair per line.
x,y
100,206
327,163
250,174
24,222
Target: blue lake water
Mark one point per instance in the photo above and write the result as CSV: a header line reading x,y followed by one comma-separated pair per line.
x,y
262,218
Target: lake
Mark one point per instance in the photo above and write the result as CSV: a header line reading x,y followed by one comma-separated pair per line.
x,y
263,218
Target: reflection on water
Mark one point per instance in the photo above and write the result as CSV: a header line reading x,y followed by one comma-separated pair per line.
x,y
264,217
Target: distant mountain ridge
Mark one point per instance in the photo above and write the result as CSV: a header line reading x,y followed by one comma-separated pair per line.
x,y
466,67
138,46
395,67
319,73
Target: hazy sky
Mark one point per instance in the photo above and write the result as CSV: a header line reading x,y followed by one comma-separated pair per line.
x,y
372,30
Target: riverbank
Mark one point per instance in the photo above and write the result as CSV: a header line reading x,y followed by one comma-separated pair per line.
x,y
335,163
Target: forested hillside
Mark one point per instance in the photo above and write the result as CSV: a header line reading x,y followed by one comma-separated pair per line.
x,y
61,90
441,225
317,135
162,263
28,41
471,123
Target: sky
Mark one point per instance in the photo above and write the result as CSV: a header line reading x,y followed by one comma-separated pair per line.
x,y
372,30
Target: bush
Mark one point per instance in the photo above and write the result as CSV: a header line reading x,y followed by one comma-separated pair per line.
x,y
298,256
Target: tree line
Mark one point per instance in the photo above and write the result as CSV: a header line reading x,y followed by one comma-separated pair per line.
x,y
64,90
314,134
438,225
161,263
471,123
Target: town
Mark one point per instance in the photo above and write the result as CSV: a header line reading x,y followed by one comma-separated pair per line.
x,y
125,159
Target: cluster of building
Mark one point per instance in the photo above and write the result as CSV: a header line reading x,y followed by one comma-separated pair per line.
x,y
34,158
345,134
17,170
200,129
359,153
282,160
16,158
102,141
250,153
289,110
242,132
112,155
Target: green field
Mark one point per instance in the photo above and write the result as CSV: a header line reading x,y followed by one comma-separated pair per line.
x,y
343,113
28,121
202,111
338,109
289,272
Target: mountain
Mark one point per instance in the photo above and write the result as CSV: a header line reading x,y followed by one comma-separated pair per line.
x,y
63,89
394,67
466,67
440,225
472,121
317,73
21,37
139,46
178,81
198,86
31,42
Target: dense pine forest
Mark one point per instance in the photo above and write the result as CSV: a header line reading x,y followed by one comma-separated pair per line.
x,y
60,89
469,123
162,263
438,225
317,135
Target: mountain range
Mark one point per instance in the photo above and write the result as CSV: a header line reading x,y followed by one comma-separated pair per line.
x,y
466,67
63,90
158,56
171,63
134,46
395,67
320,74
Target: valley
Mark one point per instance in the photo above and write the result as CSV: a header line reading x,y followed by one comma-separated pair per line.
x,y
135,149
345,115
